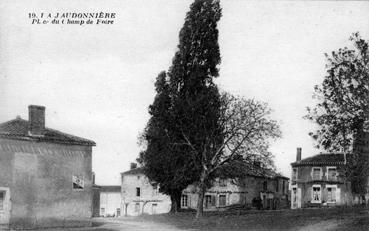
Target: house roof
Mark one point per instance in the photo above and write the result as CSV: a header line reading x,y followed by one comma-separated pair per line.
x,y
134,171
18,129
110,188
323,159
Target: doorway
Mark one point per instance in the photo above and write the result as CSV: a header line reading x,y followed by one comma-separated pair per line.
x,y
4,205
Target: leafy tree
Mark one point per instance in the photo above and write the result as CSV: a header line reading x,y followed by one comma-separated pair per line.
x,y
195,134
191,103
246,131
343,109
163,162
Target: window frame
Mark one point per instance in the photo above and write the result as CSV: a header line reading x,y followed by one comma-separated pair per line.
x,y
184,201
332,167
320,193
138,192
225,200
295,174
320,173
335,187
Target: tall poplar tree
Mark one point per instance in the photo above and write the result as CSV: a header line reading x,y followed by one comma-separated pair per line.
x,y
196,100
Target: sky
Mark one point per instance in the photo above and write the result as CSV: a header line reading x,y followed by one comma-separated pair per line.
x,y
97,81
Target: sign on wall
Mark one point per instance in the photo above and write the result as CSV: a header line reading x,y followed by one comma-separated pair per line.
x,y
78,182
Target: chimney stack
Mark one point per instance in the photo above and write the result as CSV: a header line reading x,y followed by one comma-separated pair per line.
x,y
133,165
298,154
36,120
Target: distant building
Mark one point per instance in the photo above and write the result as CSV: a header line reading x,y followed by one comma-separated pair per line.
x,y
45,175
319,180
252,191
110,201
140,196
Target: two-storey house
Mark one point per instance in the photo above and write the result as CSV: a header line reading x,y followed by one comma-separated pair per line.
x,y
319,180
271,192
45,175
139,195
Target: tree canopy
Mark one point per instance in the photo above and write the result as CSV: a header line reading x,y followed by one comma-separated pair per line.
x,y
342,112
343,97
186,105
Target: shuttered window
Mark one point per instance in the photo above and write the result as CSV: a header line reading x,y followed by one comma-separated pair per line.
x,y
2,195
331,194
222,200
316,173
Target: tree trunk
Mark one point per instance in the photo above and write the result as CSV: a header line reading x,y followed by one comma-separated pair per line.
x,y
176,202
200,202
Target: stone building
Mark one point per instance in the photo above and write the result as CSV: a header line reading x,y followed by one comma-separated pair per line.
x,y
319,180
110,201
45,175
139,195
270,192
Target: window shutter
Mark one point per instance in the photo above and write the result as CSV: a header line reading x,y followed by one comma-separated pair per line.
x,y
333,194
212,200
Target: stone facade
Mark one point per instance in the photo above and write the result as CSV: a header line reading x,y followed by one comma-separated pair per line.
x,y
319,181
139,196
45,176
271,192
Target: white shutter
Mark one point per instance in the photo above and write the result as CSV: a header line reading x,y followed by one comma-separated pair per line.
x,y
298,197
338,195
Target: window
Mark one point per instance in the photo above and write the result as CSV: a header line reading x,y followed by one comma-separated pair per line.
x,y
137,207
317,194
102,211
294,174
294,195
138,192
222,182
265,186
283,186
209,201
153,208
317,174
155,191
332,173
222,200
277,186
2,196
184,201
138,177
118,212
331,194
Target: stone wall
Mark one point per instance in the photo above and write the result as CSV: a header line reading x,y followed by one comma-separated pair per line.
x,y
150,201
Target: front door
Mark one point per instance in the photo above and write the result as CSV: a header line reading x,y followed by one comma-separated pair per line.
x,y
4,205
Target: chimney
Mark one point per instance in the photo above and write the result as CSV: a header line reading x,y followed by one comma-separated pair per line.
x,y
133,165
298,154
36,120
